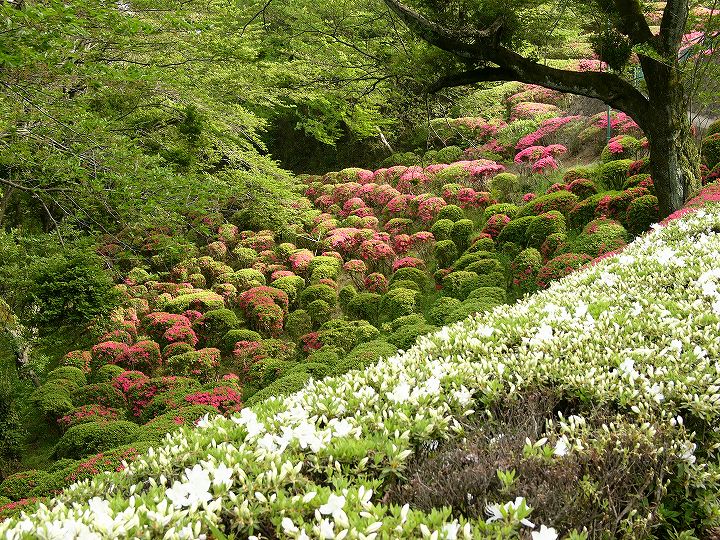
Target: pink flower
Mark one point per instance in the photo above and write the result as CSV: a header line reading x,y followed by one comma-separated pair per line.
x,y
544,165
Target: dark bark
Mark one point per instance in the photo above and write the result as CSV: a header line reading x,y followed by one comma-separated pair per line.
x,y
662,115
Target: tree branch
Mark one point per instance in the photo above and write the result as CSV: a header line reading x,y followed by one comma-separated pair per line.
x,y
632,21
672,26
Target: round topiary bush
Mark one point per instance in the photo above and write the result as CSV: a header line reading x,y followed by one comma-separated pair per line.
x,y
104,394
347,293
584,211
561,266
442,308
496,294
290,285
442,229
318,292
482,244
202,364
67,372
214,324
516,231
460,233
87,439
642,213
460,284
365,354
344,335
503,185
494,226
451,212
544,225
412,274
525,268
485,266
238,334
292,382
106,373
563,201
470,307
583,188
404,284
19,485
612,175
445,252
364,306
156,429
244,257
711,150
320,312
506,209
397,303
405,336
552,245
247,278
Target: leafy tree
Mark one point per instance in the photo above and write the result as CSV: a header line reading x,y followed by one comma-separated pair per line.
x,y
498,41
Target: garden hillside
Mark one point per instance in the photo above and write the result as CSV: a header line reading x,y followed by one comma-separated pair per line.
x,y
585,410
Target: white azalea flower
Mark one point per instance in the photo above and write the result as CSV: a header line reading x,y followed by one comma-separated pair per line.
x,y
545,533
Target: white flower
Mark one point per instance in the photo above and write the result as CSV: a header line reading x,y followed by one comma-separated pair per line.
x,y
401,393
288,526
498,512
664,255
561,447
545,533
450,530
222,475
608,279
326,529
544,333
204,422
341,428
334,504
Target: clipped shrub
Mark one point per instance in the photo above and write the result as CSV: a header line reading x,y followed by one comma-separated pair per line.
x,y
318,292
563,201
365,306
70,373
344,335
470,307
496,294
483,243
201,364
179,347
552,245
156,429
412,274
544,225
320,312
612,174
442,308
200,301
446,252
405,336
106,373
460,284
298,323
214,324
89,413
87,439
364,355
397,303
290,285
711,150
247,278
460,233
525,268
19,485
506,209
451,212
104,394
485,266
442,229
583,188
345,294
561,266
78,359
288,384
600,236
244,257
142,356
516,231
503,185
494,226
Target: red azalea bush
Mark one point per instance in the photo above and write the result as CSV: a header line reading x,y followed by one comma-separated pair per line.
x,y
225,399
87,413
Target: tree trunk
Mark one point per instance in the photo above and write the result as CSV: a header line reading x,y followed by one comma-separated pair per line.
x,y
674,156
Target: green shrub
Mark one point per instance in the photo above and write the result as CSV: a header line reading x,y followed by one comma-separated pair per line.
x,y
365,306
584,211
104,394
485,266
364,355
404,284
459,284
449,154
451,212
318,292
244,257
320,312
442,308
324,355
156,429
711,150
406,320
344,335
468,258
347,293
412,274
713,128
470,307
397,303
507,209
460,233
496,294
442,229
87,439
516,231
525,268
405,336
324,271
238,334
642,213
71,373
214,324
298,324
106,373
446,253
314,369
324,260
200,301
19,485
493,279
247,278
630,148
482,244
563,201
290,285
635,180
503,185
583,188
552,245
201,364
288,384
612,174
511,249
543,226
561,266
600,236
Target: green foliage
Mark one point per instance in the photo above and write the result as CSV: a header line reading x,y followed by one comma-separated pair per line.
x,y
446,252
298,323
711,150
562,201
416,275
70,373
496,294
612,175
398,302
544,225
525,268
365,354
344,335
451,212
442,308
19,485
470,307
460,284
318,292
320,312
238,334
460,233
106,373
501,208
642,213
516,230
442,229
103,393
91,438
365,306
405,336
503,185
